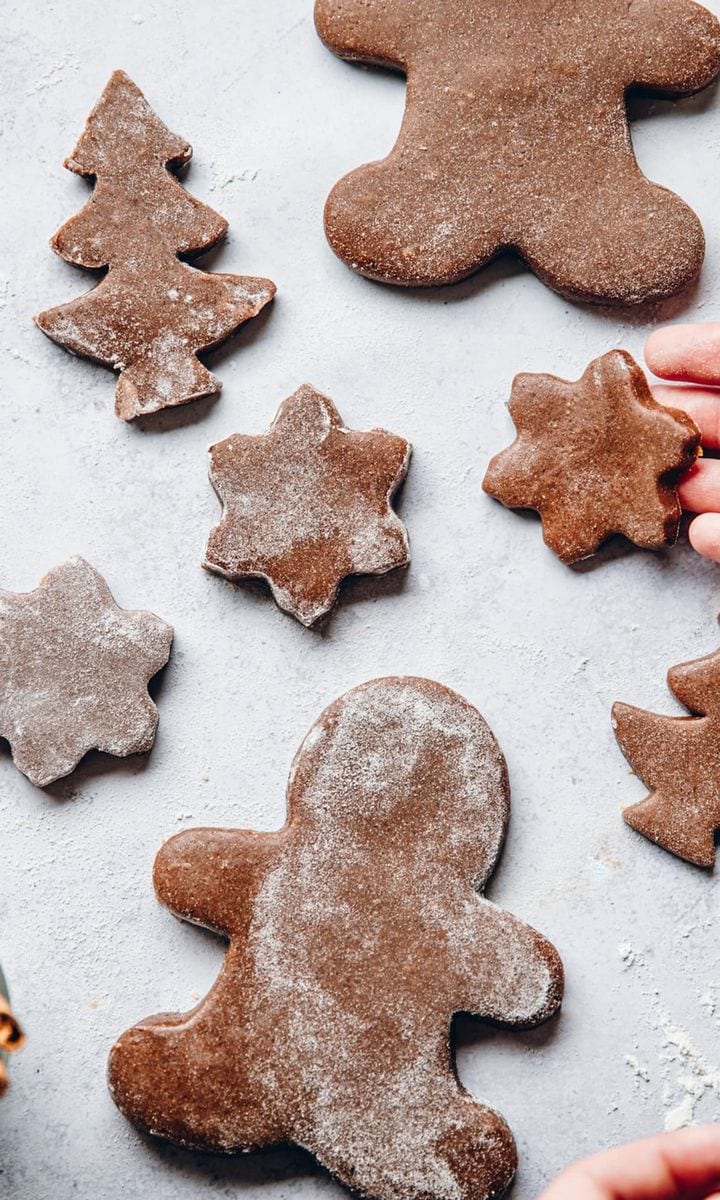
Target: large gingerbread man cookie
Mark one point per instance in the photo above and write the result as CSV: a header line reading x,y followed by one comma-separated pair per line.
x,y
516,137
356,932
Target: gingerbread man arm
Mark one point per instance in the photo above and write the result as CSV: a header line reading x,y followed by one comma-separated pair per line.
x,y
507,973
209,876
372,31
675,45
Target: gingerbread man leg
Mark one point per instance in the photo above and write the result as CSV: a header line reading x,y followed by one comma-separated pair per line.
x,y
371,31
643,242
179,1077
421,1141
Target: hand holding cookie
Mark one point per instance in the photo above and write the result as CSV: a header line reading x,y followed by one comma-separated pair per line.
x,y
689,355
677,1166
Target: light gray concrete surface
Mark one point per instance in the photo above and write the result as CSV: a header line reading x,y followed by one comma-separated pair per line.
x,y
541,649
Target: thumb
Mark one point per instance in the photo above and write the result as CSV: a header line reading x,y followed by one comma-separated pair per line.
x,y
675,1166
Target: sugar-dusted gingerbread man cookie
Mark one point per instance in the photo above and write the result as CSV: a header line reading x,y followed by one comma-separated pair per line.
x,y
356,932
595,457
679,759
151,315
516,137
74,673
307,504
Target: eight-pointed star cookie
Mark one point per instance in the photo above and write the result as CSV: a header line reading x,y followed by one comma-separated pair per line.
x,y
678,758
595,457
74,673
307,504
356,932
152,314
516,136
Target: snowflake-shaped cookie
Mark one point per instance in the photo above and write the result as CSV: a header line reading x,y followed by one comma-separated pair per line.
x,y
74,670
307,504
595,457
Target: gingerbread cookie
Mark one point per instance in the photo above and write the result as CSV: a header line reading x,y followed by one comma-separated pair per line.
x,y
74,670
516,137
595,457
356,932
307,504
151,315
679,759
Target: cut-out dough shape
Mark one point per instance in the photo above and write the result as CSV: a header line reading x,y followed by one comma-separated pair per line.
x,y
595,457
152,314
679,759
307,504
516,136
74,673
356,932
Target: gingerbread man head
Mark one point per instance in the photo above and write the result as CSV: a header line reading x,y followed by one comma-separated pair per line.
x,y
356,932
516,137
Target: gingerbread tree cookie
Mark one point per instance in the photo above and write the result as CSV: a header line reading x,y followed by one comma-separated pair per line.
x,y
152,314
356,932
595,457
679,759
74,671
516,137
307,504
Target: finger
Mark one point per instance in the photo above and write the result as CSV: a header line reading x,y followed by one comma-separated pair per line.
x,y
699,489
704,535
686,352
700,404
675,1166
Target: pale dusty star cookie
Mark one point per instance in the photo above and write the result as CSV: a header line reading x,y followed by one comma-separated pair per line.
x,y
679,759
356,932
74,673
594,457
152,314
516,137
307,504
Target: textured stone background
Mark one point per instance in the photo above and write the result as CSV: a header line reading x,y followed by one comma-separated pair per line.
x,y
541,649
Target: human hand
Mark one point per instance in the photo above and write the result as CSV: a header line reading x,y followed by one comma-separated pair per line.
x,y
690,354
675,1166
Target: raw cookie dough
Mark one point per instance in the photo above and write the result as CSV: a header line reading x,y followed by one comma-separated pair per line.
x,y
151,314
595,457
74,671
679,759
356,932
516,137
307,504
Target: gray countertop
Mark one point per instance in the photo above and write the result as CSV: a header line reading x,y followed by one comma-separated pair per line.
x,y
541,649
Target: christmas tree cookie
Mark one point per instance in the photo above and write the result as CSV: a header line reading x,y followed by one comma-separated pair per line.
x,y
152,314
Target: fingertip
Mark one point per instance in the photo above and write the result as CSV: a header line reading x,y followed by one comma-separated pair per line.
x,y
685,352
704,535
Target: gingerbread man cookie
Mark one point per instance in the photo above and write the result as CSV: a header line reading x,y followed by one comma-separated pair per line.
x,y
152,314
516,137
679,759
74,672
307,504
595,457
356,932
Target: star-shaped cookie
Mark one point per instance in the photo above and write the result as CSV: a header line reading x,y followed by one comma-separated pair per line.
x,y
74,670
307,504
595,457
